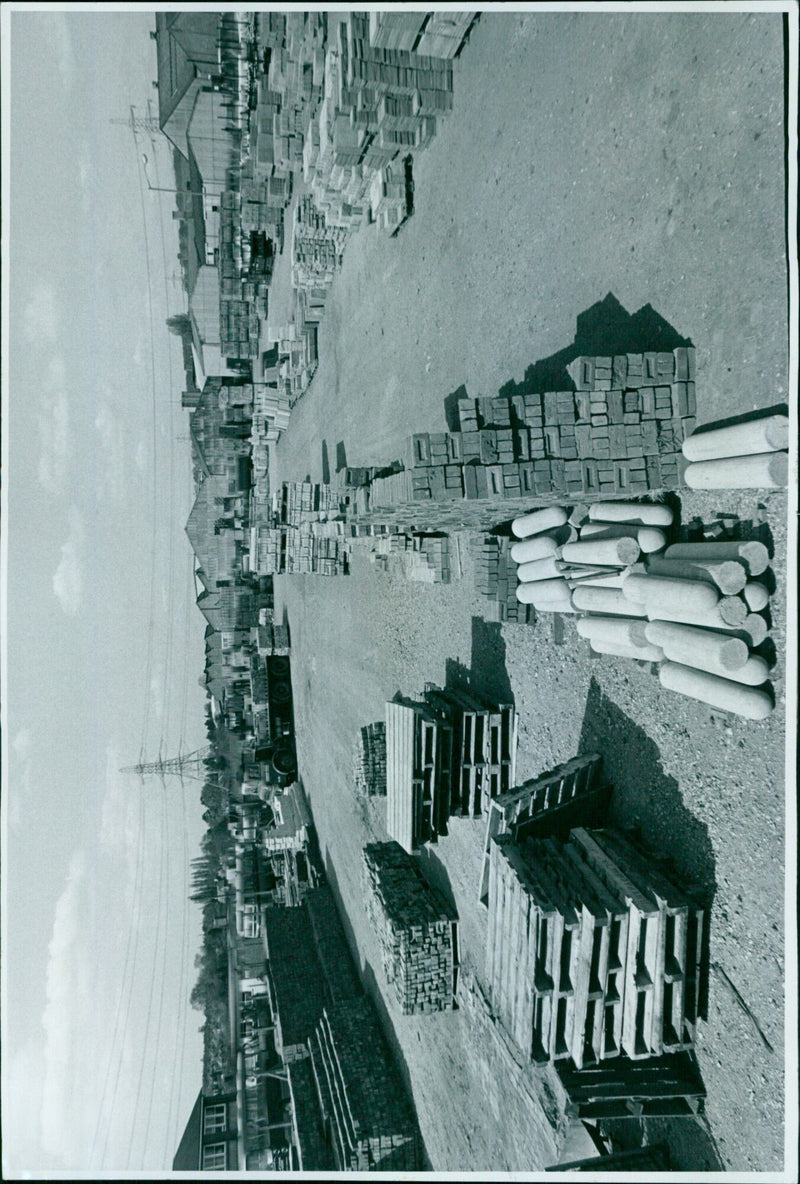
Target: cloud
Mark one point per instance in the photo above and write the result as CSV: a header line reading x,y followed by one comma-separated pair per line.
x,y
65,975
112,445
19,789
40,317
22,1107
21,743
61,44
55,435
120,820
140,459
68,577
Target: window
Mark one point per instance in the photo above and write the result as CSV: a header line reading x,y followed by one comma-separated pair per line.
x,y
214,1157
214,1117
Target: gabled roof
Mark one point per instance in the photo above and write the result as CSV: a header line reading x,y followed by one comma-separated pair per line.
x,y
187,1157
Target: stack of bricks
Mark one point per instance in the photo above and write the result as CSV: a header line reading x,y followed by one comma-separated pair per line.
x,y
361,1098
444,33
634,411
316,247
312,548
370,760
390,190
306,501
421,557
417,930
378,102
496,580
592,952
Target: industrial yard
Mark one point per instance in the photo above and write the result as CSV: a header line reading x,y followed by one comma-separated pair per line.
x,y
638,156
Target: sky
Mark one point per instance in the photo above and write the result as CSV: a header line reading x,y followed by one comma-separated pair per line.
x,y
102,1053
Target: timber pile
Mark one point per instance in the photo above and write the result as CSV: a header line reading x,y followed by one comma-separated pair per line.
x,y
449,754
417,930
592,951
370,760
360,1094
573,794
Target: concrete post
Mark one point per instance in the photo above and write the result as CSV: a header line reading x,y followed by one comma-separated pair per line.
x,y
756,596
691,646
752,554
733,610
613,552
538,569
548,595
538,547
717,692
663,592
639,513
728,574
607,601
640,653
765,470
649,538
740,439
614,630
538,520
753,629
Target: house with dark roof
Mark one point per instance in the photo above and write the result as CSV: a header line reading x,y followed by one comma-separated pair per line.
x,y
210,1142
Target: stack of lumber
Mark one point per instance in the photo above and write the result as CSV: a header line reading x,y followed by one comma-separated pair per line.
x,y
312,548
592,951
573,794
306,501
370,760
365,1112
752,454
417,930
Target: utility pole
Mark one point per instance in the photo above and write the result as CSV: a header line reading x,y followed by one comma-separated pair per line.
x,y
148,124
190,765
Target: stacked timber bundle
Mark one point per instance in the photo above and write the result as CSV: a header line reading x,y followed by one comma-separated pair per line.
x,y
449,755
363,1104
417,930
592,952
574,794
748,455
370,760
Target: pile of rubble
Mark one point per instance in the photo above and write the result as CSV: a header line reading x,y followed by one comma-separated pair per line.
x,y
417,930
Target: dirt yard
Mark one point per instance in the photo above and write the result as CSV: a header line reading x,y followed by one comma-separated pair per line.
x,y
639,155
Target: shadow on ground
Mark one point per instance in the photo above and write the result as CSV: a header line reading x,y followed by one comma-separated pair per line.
x,y
373,990
605,328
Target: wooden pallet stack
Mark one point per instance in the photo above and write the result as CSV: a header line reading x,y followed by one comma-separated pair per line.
x,y
417,930
667,1086
419,742
370,760
484,748
448,755
364,1109
592,951
573,794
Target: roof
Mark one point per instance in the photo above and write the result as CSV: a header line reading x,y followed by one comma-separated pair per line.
x,y
186,52
187,1157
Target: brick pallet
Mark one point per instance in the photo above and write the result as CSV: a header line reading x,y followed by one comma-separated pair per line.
x,y
592,952
363,1105
496,580
414,557
417,930
573,794
370,760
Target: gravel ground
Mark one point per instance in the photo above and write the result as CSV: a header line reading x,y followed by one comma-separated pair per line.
x,y
640,155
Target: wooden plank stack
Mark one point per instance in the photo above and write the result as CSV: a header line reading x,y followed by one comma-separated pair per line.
x,y
416,928
370,760
364,1108
483,751
592,951
573,794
